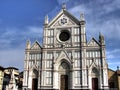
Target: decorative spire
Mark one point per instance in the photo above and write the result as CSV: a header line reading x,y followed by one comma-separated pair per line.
x,y
64,6
101,39
28,44
82,17
117,67
46,19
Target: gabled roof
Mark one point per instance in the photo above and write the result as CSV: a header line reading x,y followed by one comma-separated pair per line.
x,y
36,45
65,12
1,68
93,42
110,70
93,64
12,68
63,55
118,72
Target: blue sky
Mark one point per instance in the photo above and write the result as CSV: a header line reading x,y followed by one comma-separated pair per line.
x,y
21,20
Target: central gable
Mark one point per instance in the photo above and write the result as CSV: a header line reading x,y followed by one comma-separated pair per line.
x,y
64,18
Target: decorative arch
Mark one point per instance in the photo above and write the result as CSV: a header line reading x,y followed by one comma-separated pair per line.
x,y
94,72
64,65
95,78
34,73
33,78
63,56
63,61
64,74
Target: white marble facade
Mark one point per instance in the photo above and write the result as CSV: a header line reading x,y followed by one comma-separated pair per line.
x,y
65,53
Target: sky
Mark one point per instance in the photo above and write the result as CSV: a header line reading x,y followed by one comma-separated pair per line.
x,y
21,20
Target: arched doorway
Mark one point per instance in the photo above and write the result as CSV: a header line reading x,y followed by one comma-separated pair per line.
x,y
64,75
94,79
35,79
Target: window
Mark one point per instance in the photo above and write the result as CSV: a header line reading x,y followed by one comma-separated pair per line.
x,y
50,40
49,64
32,56
38,63
77,77
64,35
93,53
50,32
76,39
48,77
49,55
76,31
77,63
77,54
38,56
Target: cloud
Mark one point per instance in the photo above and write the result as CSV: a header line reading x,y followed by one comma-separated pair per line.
x,y
80,9
12,42
113,58
35,30
102,16
110,29
0,21
113,65
113,54
12,57
62,1
16,37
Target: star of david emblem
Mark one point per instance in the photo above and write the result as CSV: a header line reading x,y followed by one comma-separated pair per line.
x,y
63,21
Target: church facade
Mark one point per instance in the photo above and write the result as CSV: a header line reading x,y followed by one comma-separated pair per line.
x,y
65,61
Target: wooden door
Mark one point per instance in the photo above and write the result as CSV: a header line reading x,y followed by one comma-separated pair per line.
x,y
94,83
34,84
64,82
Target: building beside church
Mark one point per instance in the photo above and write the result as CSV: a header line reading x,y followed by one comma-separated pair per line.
x,y
10,81
1,77
66,60
114,79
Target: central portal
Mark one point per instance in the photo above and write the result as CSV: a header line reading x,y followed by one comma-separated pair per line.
x,y
64,72
64,82
34,83
94,83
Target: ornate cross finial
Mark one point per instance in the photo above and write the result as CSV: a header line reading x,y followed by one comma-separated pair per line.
x,y
46,19
82,17
101,38
28,44
63,6
117,67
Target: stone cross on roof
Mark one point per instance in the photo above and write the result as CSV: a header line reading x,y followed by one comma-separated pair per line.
x,y
63,6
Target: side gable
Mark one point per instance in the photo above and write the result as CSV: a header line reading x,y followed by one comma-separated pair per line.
x,y
71,20
93,43
36,45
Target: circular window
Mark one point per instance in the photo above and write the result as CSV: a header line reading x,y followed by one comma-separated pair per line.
x,y
64,35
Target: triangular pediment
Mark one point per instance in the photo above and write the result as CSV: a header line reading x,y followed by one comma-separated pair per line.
x,y
93,64
93,42
63,55
63,18
36,45
34,66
